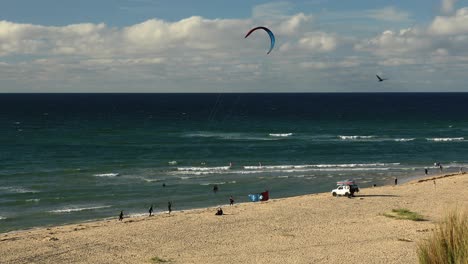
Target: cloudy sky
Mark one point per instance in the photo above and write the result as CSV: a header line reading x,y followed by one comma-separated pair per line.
x,y
199,46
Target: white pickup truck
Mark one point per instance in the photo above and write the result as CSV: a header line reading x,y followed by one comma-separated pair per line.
x,y
345,188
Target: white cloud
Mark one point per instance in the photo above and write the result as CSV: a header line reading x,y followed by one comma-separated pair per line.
x,y
318,42
323,65
200,54
397,61
451,25
391,43
293,24
448,6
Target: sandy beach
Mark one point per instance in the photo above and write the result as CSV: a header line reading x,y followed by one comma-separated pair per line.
x,y
316,228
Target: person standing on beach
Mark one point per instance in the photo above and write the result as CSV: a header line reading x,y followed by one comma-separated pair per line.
x,y
151,210
121,216
440,167
169,207
425,171
396,181
231,200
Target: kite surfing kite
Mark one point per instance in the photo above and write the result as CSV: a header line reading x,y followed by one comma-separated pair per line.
x,y
272,37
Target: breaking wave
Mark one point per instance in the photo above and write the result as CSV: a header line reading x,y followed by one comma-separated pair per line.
x,y
350,165
221,168
446,139
12,189
234,136
403,139
78,209
106,175
355,137
280,135
212,183
199,171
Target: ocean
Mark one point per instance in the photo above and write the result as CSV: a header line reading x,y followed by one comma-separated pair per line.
x,y
68,158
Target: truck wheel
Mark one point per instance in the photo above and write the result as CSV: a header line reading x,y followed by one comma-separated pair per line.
x,y
334,194
346,194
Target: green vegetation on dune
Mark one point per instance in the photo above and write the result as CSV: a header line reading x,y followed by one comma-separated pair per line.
x,y
448,243
404,214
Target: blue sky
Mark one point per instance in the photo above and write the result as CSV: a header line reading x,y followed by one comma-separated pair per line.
x,y
198,46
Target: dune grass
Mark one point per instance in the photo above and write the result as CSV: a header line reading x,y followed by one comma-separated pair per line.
x,y
448,243
405,214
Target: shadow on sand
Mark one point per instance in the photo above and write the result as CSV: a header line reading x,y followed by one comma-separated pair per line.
x,y
376,195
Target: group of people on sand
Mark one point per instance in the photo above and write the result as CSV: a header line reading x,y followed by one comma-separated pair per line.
x,y
150,211
169,205
441,168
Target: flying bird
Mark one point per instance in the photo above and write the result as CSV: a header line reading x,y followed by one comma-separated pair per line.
x,y
380,79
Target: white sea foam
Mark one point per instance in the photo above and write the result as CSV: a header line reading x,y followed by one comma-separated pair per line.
x,y
112,174
350,165
78,209
229,136
131,215
201,171
334,169
16,189
403,139
222,168
2,217
446,139
212,183
355,137
280,135
173,162
33,200
149,180
253,167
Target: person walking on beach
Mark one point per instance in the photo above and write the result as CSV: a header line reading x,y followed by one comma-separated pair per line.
x,y
169,207
231,200
425,171
121,216
396,181
440,167
151,210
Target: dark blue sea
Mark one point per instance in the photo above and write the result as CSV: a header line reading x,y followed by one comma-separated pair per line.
x,y
67,158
